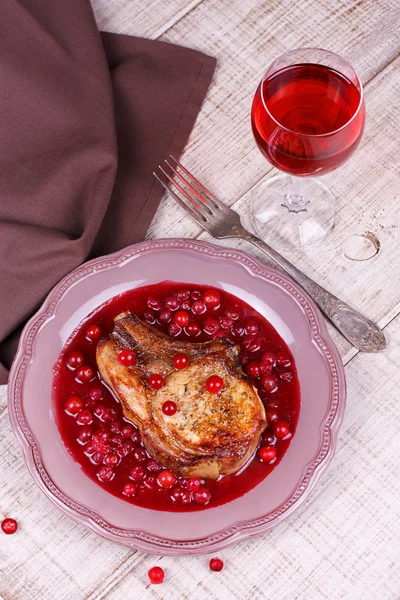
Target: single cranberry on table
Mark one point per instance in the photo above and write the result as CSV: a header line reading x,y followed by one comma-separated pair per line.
x,y
169,408
84,435
211,298
193,484
9,526
214,384
84,417
253,369
165,316
172,302
105,474
174,330
127,358
180,361
267,453
153,303
156,381
129,489
93,333
234,312
85,374
181,318
269,383
156,575
75,359
216,564
73,405
166,478
282,359
198,308
193,329
202,496
137,473
281,430
211,325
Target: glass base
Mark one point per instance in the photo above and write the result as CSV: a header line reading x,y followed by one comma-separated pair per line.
x,y
292,213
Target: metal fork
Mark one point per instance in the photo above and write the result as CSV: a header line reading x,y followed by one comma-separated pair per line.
x,y
223,222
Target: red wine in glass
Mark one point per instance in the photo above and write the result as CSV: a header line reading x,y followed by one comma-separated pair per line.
x,y
307,118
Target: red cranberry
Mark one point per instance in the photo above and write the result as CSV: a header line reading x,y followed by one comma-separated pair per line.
x,y
150,317
115,427
172,302
85,435
136,439
198,308
226,323
174,330
139,455
267,454
186,305
150,482
93,332
129,489
180,361
156,381
265,368
243,358
221,333
165,316
253,369
214,384
127,430
237,329
122,451
85,417
9,526
269,440
129,445
153,303
211,298
112,414
116,440
181,318
101,412
75,360
166,478
251,343
268,358
101,441
286,376
156,575
193,329
169,408
195,295
202,496
176,494
211,325
153,466
216,564
271,415
89,450
85,374
127,358
97,458
183,295
137,473
96,394
269,383
186,497
281,430
234,312
282,359
193,484
105,474
182,482
111,460
73,405
251,326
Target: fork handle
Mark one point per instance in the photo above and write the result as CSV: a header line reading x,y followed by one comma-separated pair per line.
x,y
357,329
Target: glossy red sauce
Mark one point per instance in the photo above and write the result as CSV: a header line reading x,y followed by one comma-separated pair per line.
x,y
285,400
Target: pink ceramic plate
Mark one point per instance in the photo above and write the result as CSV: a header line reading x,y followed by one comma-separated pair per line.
x,y
276,297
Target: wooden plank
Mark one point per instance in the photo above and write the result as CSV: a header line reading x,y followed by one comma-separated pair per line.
x,y
324,551
149,18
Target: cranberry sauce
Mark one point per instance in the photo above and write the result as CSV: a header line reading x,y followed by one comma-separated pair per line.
x,y
110,449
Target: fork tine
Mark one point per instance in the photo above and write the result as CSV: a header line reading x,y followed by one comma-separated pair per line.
x,y
205,191
204,201
192,210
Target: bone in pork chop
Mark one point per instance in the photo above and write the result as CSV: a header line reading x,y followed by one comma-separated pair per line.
x,y
210,434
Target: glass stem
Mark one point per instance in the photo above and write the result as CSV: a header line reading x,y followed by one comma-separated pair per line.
x,y
295,199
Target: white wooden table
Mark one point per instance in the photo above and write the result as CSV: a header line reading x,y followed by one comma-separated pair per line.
x,y
344,542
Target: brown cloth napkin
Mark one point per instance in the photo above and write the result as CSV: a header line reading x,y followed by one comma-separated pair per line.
x,y
85,118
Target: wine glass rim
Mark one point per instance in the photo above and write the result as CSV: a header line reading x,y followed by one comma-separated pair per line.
x,y
314,135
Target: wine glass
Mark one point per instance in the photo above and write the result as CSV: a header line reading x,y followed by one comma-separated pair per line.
x,y
308,116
